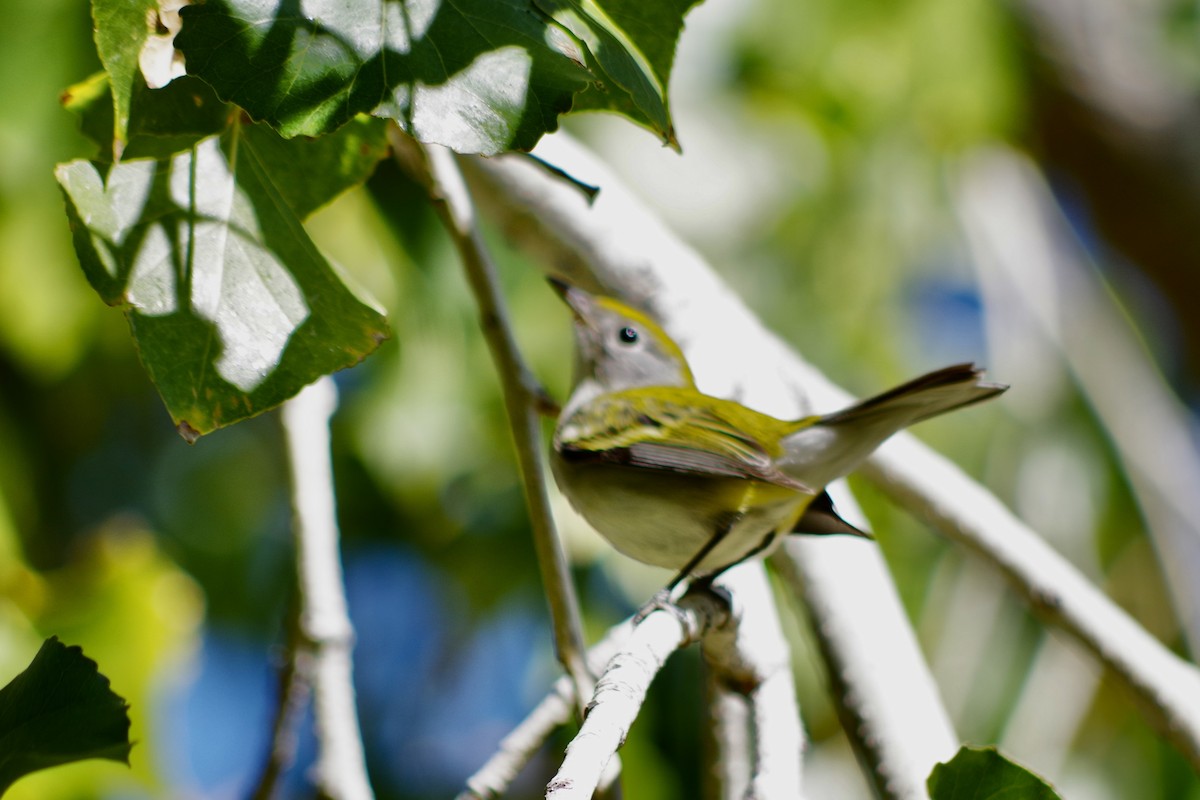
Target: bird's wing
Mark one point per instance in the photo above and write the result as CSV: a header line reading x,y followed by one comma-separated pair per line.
x,y
687,435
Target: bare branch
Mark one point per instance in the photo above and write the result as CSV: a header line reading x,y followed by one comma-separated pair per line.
x,y
295,685
622,687
1031,265
326,635
728,745
520,745
434,168
750,656
886,698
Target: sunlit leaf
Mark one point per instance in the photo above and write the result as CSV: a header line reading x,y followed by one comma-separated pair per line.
x,y
631,48
232,307
984,774
59,710
476,75
122,27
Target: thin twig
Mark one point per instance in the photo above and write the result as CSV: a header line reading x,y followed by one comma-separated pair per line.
x,y
326,634
434,168
295,684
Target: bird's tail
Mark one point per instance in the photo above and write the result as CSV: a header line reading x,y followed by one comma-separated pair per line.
x,y
831,446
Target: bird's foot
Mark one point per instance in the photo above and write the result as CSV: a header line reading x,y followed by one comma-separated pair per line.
x,y
661,601
706,586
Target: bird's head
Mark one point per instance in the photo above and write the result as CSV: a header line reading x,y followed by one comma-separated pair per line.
x,y
619,347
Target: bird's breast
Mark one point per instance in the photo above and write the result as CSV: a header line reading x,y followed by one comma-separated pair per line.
x,y
664,518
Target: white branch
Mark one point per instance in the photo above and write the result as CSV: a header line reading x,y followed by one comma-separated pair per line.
x,y
325,629
621,690
519,746
888,701
1030,264
750,656
729,746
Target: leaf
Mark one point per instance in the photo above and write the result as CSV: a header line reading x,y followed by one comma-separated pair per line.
x,y
632,49
160,122
122,27
984,774
480,76
232,307
649,33
59,710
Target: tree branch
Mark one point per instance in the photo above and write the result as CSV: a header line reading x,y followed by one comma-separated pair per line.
x,y
434,168
519,746
887,700
326,636
295,685
622,687
1031,267
750,656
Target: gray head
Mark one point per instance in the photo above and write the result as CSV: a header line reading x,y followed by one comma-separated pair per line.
x,y
618,347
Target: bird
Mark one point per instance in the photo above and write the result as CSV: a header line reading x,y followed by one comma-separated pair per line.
x,y
680,479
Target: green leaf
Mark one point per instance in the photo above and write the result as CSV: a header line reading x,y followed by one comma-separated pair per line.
x,y
631,47
480,76
122,27
649,33
232,307
160,121
59,710
984,774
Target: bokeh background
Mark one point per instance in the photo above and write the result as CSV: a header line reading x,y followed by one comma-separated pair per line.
x,y
825,147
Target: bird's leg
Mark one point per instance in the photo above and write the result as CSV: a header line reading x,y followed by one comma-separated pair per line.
x,y
662,598
705,582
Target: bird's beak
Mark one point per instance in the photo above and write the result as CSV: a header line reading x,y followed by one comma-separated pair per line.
x,y
579,301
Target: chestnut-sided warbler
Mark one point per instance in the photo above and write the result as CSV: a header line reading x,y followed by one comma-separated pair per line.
x,y
680,479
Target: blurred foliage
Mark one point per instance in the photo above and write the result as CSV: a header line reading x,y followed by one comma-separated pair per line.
x,y
816,137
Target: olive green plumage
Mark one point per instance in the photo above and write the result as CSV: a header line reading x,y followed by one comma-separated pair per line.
x,y
680,479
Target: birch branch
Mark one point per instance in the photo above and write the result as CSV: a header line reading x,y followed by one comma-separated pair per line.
x,y
554,710
1030,263
750,657
622,688
434,168
620,243
886,697
327,637
727,742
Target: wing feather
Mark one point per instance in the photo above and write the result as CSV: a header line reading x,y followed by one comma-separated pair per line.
x,y
690,434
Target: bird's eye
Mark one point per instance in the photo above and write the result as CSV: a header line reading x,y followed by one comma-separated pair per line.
x,y
628,335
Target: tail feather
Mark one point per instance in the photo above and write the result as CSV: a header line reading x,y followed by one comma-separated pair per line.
x,y
931,394
834,445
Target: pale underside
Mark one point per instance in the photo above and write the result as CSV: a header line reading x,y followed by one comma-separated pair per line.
x,y
665,519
